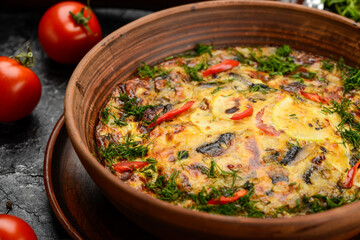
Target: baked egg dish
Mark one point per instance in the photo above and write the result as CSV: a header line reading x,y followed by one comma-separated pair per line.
x,y
243,131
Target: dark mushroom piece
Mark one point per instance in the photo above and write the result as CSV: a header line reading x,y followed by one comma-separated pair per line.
x,y
290,155
216,148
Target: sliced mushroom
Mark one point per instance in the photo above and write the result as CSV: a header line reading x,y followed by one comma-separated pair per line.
x,y
216,148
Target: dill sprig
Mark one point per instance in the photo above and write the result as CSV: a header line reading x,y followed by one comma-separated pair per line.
x,y
129,149
352,81
183,154
131,106
326,65
145,71
349,127
244,206
284,50
202,48
259,87
166,189
275,64
194,71
316,203
105,113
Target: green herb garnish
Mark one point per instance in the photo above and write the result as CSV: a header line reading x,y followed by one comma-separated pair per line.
x,y
284,50
145,71
346,8
352,81
293,116
194,72
129,150
260,88
275,64
202,48
166,189
328,66
183,154
132,107
105,115
350,134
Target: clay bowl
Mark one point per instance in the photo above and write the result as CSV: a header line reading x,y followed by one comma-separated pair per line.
x,y
161,34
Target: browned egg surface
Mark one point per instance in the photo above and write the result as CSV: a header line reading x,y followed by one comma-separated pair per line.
x,y
258,132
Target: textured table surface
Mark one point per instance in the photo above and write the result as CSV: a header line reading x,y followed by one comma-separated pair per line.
x,y
23,143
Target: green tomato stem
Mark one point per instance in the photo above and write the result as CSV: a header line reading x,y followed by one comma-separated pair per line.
x,y
80,19
25,58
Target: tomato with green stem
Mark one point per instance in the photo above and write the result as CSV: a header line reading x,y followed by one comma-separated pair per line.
x,y
20,87
14,228
68,30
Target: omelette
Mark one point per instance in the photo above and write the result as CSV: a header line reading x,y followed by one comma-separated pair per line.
x,y
245,131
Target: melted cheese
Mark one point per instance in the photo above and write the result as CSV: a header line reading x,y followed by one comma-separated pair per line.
x,y
255,147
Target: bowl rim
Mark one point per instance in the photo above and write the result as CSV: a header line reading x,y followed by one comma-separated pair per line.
x,y
84,153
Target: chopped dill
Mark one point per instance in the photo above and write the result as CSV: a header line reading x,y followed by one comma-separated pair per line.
x,y
284,50
350,136
150,169
351,133
132,107
352,81
202,48
129,150
105,115
328,66
275,64
119,122
316,203
194,72
145,71
260,88
293,116
243,206
216,90
166,189
183,154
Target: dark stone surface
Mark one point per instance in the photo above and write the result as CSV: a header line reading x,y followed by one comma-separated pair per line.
x,y
23,143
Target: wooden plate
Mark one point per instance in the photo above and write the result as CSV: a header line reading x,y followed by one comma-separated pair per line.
x,y
75,199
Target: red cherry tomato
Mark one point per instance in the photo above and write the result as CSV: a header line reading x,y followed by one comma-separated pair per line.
x,y
65,40
14,228
20,90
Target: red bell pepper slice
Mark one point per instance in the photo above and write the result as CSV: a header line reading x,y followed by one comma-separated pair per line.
x,y
172,114
350,176
244,114
220,67
129,166
314,97
267,129
225,200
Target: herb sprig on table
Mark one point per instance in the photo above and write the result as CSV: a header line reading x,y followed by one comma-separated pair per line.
x,y
346,8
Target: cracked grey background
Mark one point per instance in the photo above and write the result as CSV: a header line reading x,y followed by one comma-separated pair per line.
x,y
23,143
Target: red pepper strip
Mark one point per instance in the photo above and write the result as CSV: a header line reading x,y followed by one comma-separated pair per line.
x,y
220,67
225,200
314,97
267,129
350,176
244,114
173,113
129,166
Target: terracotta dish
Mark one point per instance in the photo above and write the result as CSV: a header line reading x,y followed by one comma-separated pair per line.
x,y
156,36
